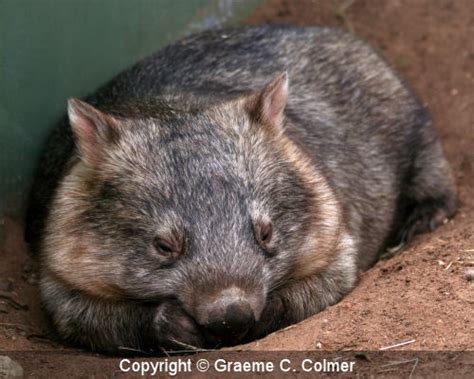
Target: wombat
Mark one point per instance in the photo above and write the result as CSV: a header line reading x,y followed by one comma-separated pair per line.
x,y
231,184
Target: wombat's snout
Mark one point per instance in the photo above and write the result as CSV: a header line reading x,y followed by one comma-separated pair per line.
x,y
229,314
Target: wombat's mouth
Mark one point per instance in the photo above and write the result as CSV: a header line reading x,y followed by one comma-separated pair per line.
x,y
213,341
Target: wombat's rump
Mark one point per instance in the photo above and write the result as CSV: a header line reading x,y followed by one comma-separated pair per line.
x,y
229,185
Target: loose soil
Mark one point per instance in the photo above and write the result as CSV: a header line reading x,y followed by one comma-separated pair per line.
x,y
420,296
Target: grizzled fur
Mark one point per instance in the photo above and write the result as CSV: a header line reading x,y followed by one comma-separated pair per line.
x,y
274,189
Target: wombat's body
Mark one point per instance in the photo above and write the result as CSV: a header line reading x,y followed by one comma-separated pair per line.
x,y
204,203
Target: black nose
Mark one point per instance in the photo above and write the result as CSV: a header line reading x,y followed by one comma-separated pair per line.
x,y
229,317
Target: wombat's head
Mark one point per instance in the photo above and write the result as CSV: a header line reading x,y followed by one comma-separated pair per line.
x,y
214,208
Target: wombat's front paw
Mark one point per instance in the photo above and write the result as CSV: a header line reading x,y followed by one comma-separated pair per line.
x,y
175,329
427,216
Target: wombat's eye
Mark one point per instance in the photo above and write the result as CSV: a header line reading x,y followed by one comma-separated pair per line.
x,y
264,235
168,248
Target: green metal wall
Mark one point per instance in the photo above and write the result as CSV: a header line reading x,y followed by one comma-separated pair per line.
x,y
54,49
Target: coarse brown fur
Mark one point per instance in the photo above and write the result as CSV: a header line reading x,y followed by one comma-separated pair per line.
x,y
229,185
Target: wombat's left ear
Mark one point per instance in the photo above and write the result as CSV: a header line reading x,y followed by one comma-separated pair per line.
x,y
269,104
92,128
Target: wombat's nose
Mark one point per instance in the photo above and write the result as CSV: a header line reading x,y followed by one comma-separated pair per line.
x,y
229,315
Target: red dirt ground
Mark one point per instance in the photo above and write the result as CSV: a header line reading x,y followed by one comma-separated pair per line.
x,y
422,294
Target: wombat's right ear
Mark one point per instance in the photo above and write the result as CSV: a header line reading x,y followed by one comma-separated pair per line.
x,y
269,104
92,128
